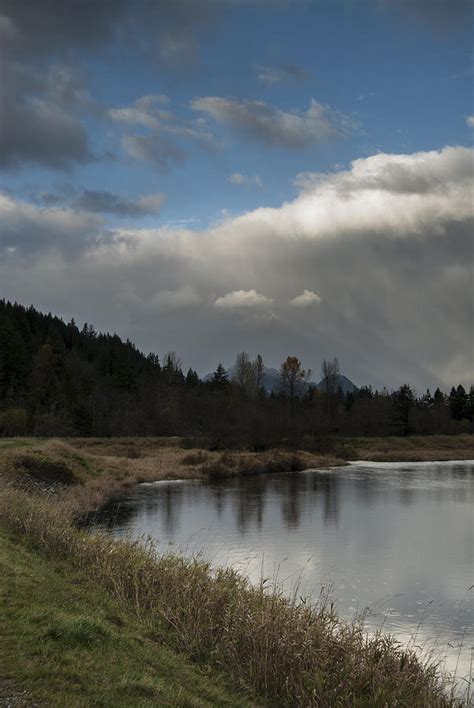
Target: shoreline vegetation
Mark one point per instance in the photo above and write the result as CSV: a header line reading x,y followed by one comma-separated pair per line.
x,y
237,644
88,472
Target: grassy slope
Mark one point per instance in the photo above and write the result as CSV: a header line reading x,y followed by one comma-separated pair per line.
x,y
69,644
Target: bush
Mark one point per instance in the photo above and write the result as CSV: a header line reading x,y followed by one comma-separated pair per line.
x,y
195,458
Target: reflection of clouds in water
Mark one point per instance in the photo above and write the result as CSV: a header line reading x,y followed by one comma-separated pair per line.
x,y
395,538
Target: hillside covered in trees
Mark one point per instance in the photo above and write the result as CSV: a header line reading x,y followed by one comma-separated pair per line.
x,y
57,379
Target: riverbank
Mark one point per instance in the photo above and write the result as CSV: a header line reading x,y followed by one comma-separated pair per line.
x,y
86,473
90,471
275,651
267,648
64,641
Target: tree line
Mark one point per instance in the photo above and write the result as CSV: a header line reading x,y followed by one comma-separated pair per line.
x,y
57,379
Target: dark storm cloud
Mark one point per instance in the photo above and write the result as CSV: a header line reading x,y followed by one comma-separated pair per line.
x,y
36,28
40,116
372,274
35,131
42,105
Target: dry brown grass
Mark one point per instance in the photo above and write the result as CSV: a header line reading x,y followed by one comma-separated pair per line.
x,y
228,464
86,474
284,653
414,448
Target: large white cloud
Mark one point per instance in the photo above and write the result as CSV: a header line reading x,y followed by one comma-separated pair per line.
x,y
386,245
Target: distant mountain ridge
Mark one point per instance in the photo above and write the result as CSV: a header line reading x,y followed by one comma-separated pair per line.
x,y
272,381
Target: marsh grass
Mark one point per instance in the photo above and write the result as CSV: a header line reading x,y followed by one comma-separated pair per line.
x,y
284,652
229,464
85,474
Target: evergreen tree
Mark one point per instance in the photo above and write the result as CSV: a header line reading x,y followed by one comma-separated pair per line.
x,y
404,402
459,403
220,380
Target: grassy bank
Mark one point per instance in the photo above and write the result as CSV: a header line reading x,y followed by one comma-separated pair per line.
x,y
85,473
64,641
275,651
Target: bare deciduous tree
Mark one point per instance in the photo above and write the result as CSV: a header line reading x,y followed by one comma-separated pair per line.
x,y
330,371
248,375
293,380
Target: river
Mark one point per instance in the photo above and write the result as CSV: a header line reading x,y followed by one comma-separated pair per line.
x,y
392,541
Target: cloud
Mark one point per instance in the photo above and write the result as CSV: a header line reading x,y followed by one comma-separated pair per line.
x,y
100,202
28,229
166,29
170,300
470,121
163,144
275,74
162,153
266,124
35,131
40,117
44,101
147,111
106,202
421,173
242,299
440,14
388,240
240,179
306,299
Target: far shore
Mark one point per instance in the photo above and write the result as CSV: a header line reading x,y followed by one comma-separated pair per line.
x,y
90,471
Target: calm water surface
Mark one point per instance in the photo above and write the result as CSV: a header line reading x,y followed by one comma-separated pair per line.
x,y
396,538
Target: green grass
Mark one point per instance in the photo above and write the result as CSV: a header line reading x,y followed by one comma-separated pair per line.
x,y
67,643
6,443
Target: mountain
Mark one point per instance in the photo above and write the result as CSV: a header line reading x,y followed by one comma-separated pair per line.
x,y
271,381
345,384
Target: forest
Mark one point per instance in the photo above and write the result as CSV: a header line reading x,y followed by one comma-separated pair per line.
x,y
57,379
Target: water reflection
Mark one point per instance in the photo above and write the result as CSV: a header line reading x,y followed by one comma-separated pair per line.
x,y
325,484
396,538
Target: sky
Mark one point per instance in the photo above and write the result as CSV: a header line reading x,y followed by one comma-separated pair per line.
x,y
271,176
